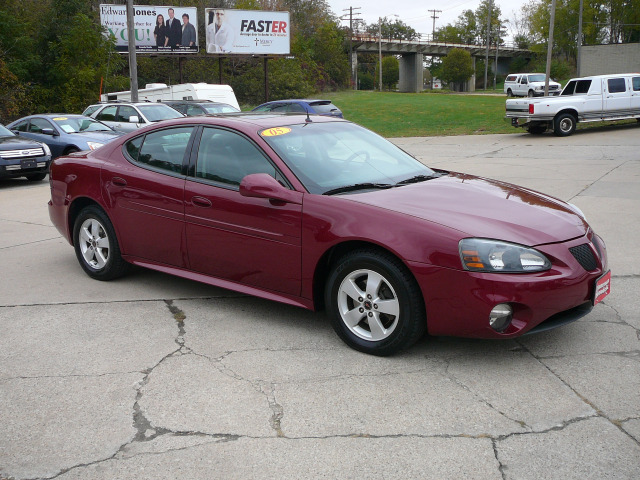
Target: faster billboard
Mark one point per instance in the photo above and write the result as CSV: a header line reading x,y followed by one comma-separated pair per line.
x,y
163,29
251,32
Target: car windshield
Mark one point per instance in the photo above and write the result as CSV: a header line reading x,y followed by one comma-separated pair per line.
x,y
79,124
329,156
5,132
536,78
219,108
155,113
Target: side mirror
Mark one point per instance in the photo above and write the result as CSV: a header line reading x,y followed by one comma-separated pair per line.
x,y
261,185
49,131
134,119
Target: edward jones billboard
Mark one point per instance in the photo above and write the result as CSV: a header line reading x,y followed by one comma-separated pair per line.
x,y
163,29
252,32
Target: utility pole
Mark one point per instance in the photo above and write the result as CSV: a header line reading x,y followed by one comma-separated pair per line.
x,y
354,71
579,38
380,52
486,57
433,12
133,64
550,47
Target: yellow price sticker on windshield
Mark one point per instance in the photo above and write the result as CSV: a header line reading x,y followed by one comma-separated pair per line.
x,y
274,132
57,119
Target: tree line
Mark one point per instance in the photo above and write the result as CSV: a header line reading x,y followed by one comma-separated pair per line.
x,y
54,55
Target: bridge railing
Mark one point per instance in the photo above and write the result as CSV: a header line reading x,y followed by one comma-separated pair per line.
x,y
429,39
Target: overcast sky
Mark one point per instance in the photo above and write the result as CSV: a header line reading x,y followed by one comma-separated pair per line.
x,y
415,13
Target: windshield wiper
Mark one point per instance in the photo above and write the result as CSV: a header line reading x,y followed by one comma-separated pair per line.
x,y
418,178
357,186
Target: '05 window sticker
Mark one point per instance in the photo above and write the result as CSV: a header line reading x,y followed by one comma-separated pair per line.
x,y
274,132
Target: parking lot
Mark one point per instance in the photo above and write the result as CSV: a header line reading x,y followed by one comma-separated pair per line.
x,y
157,377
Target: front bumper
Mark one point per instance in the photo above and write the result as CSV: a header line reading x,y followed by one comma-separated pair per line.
x,y
20,167
458,302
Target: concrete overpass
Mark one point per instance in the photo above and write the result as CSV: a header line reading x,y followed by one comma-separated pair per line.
x,y
412,53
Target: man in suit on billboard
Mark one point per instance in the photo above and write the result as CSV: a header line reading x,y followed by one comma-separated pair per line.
x,y
174,30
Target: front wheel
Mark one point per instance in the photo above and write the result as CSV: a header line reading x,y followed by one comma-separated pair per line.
x,y
509,93
96,245
564,124
530,93
374,303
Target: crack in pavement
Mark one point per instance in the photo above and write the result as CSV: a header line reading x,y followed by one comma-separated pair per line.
x,y
30,243
599,412
501,466
598,179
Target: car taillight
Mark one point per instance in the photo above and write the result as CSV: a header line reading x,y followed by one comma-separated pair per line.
x,y
531,109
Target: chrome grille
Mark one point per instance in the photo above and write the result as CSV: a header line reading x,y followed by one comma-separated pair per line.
x,y
27,152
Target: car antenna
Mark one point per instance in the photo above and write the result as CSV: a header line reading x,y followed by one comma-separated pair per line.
x,y
308,119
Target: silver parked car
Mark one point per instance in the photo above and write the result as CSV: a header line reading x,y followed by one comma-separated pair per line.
x,y
127,117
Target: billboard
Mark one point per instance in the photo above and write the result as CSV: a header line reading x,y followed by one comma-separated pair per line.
x,y
252,32
163,29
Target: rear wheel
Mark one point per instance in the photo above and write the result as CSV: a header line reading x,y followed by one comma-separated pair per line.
x,y
564,124
509,93
374,303
96,245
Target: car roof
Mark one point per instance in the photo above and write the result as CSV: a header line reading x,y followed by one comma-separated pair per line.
x,y
259,120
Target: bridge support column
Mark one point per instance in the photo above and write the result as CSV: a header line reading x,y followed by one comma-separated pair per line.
x,y
354,69
471,84
411,73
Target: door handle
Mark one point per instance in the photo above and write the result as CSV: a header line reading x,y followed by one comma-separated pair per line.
x,y
201,202
118,181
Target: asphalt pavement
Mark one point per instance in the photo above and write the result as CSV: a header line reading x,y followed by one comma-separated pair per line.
x,y
156,377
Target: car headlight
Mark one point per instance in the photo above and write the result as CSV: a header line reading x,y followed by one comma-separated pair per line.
x,y
47,150
94,145
484,255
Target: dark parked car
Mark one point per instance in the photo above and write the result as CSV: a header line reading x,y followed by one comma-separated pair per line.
x,y
313,107
193,108
64,133
22,157
326,214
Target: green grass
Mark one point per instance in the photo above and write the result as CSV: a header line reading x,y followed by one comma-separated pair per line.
x,y
393,114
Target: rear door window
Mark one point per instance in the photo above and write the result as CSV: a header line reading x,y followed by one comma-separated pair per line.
x,y
616,85
163,150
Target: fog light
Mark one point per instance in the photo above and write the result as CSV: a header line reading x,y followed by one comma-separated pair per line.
x,y
500,317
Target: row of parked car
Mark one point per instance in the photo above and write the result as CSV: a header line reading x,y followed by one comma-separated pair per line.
x,y
28,145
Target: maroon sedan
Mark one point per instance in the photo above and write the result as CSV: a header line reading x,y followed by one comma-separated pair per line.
x,y
322,213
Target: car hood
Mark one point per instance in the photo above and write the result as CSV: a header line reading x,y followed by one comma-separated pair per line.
x,y
102,137
479,207
12,143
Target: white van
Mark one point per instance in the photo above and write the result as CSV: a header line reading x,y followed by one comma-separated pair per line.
x,y
156,92
529,85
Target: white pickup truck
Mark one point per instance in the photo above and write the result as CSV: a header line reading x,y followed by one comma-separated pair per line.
x,y
586,99
529,85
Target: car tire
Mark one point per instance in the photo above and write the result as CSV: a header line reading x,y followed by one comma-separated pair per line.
x,y
71,150
537,129
357,286
509,93
530,93
36,177
96,245
564,124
